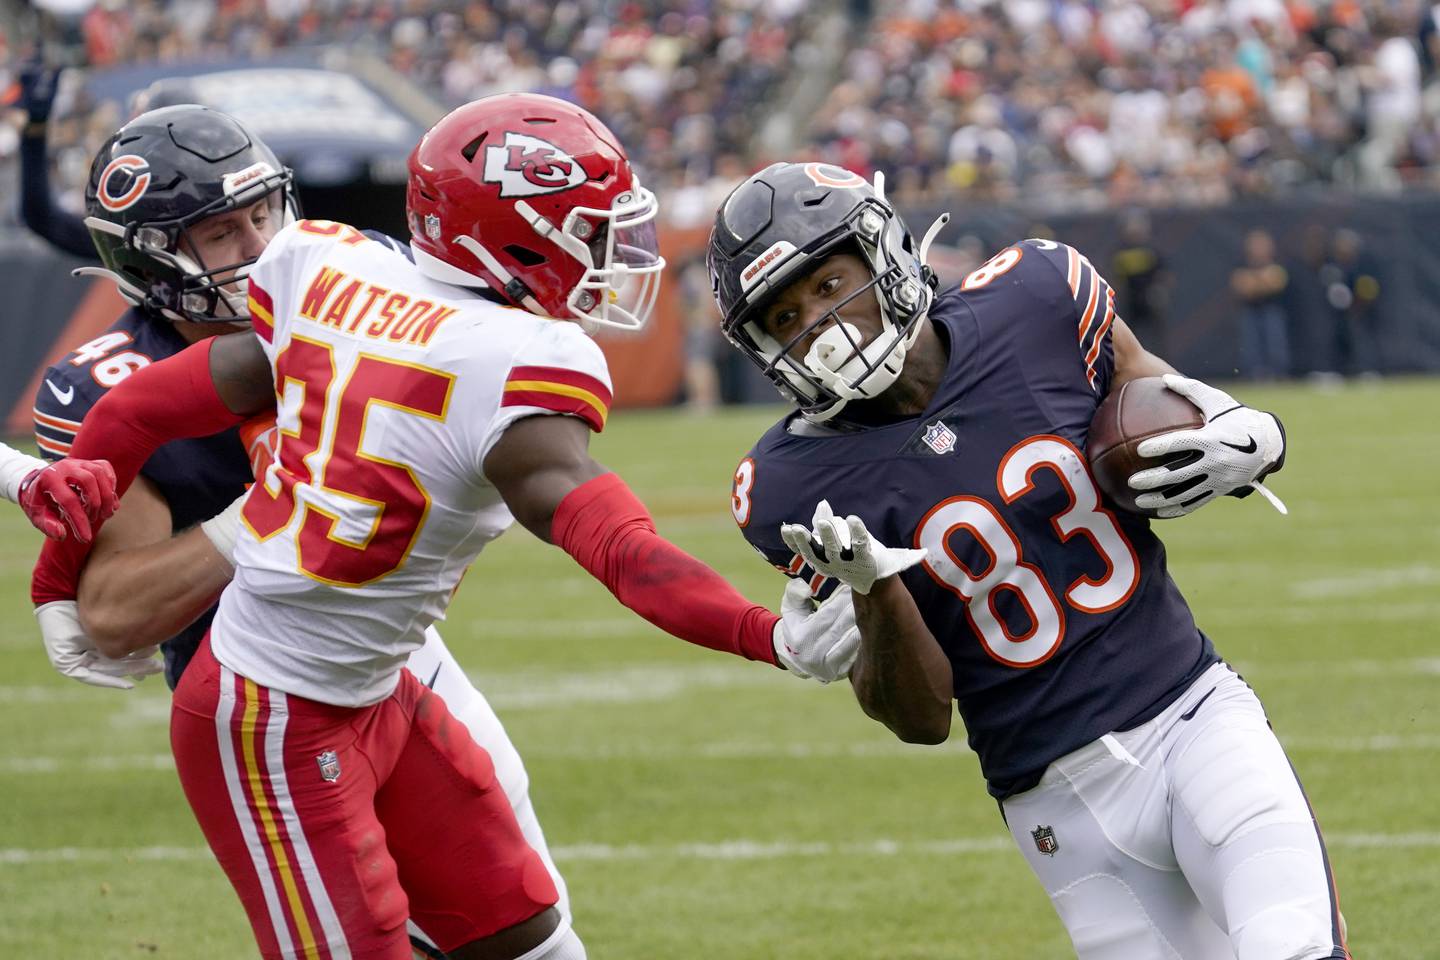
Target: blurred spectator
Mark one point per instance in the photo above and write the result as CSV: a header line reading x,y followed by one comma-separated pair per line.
x,y
1141,282
1351,289
1311,324
703,339
1260,285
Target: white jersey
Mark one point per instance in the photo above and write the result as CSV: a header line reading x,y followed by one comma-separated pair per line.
x,y
391,389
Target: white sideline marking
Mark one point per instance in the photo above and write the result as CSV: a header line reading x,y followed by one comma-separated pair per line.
x,y
949,753
720,850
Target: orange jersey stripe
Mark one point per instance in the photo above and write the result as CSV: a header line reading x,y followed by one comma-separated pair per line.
x,y
52,446
56,423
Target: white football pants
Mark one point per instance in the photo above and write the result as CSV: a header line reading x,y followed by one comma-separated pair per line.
x,y
436,667
1186,838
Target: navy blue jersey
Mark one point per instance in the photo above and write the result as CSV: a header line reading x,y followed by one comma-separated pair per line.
x,y
1056,612
197,478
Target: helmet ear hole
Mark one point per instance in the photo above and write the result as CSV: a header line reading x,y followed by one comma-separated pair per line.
x,y
473,147
524,255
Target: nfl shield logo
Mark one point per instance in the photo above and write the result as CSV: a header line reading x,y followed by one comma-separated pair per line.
x,y
1045,840
432,226
329,765
939,437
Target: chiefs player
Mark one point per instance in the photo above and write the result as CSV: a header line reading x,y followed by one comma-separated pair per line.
x,y
423,406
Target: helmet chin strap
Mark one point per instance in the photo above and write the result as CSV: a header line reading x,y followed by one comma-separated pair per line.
x,y
498,269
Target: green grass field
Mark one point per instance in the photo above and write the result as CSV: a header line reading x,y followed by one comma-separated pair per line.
x,y
710,809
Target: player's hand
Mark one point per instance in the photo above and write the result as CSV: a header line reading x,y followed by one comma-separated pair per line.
x,y
74,655
69,496
37,89
1236,449
816,643
844,549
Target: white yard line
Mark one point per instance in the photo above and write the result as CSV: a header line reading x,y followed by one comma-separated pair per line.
x,y
548,689
949,753
1366,582
738,849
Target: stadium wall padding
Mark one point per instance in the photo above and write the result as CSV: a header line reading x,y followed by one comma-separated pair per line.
x,y
46,312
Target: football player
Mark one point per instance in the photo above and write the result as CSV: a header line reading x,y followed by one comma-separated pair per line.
x,y
72,496
937,454
423,407
179,198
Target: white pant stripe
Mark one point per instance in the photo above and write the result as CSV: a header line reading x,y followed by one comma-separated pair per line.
x,y
239,800
315,886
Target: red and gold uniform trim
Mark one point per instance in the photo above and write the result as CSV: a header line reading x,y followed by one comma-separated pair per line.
x,y
560,390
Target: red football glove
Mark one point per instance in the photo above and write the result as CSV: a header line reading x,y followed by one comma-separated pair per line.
x,y
69,496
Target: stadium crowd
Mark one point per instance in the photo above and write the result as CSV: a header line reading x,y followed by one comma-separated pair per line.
x,y
1071,103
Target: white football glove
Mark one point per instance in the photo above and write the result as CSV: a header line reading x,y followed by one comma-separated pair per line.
x,y
846,551
1236,449
816,643
74,654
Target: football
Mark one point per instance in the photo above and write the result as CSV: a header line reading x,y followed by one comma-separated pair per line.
x,y
1138,410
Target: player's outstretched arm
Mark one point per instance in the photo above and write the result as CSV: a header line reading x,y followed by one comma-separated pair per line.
x,y
542,467
200,391
141,586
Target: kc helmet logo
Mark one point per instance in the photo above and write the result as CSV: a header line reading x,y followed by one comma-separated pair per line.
x,y
525,166
123,182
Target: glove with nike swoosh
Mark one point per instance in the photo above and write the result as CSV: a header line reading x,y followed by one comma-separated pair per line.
x,y
1231,454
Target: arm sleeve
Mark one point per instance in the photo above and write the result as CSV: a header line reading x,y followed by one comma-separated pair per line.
x,y
37,204
170,400
610,533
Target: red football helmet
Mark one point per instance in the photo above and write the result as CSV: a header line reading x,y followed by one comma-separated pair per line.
x,y
533,197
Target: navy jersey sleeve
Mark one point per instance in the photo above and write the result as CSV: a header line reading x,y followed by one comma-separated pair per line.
x,y
1086,312
65,395
1049,301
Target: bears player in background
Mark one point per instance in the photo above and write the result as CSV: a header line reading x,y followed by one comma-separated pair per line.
x,y
179,199
424,406
1135,770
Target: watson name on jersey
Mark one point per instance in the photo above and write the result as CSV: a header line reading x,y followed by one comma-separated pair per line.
x,y
360,530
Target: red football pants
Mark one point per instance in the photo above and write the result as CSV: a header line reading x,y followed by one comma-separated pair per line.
x,y
336,824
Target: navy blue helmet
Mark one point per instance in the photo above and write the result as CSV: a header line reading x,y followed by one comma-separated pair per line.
x,y
774,229
153,181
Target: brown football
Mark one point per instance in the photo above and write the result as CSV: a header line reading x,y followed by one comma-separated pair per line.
x,y
1136,411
